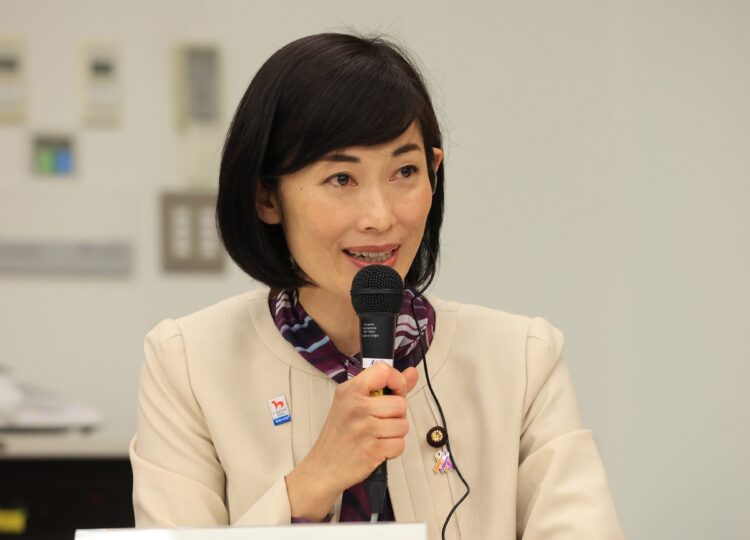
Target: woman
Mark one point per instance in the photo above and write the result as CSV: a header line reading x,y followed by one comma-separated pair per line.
x,y
256,411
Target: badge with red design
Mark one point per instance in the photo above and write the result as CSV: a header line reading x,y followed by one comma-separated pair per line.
x,y
279,408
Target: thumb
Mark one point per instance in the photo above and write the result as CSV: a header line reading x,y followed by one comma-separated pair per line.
x,y
412,376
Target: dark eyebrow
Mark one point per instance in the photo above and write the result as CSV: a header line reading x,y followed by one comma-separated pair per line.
x,y
346,158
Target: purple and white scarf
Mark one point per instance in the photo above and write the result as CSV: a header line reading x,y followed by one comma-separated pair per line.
x,y
308,339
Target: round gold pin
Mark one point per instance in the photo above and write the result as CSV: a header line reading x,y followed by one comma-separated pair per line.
x,y
437,437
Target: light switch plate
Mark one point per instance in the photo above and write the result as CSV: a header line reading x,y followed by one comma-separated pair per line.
x,y
189,238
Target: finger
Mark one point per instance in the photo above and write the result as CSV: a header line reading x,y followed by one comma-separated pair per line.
x,y
397,382
392,448
377,377
388,428
387,407
378,450
412,376
382,375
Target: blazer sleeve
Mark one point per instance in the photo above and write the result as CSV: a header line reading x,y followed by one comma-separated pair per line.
x,y
563,491
178,480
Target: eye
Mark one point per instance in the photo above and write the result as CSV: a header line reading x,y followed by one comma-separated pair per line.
x,y
340,180
408,170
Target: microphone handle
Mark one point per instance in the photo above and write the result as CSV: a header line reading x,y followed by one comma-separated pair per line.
x,y
376,484
377,334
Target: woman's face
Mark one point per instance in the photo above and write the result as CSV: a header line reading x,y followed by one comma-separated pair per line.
x,y
353,207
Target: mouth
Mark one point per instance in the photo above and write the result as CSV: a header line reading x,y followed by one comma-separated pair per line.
x,y
365,255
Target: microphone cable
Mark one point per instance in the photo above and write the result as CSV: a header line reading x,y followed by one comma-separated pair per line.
x,y
442,416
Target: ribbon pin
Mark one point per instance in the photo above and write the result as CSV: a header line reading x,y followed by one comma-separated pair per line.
x,y
443,462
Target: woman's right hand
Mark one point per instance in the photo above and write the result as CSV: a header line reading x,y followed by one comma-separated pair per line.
x,y
360,433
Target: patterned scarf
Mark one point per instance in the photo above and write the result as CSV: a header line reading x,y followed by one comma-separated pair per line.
x,y
309,340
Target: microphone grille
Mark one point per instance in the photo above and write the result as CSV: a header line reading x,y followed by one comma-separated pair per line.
x,y
377,289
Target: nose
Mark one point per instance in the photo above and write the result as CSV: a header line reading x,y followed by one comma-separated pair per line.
x,y
376,208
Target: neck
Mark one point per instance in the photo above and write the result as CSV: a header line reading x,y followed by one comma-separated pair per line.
x,y
335,316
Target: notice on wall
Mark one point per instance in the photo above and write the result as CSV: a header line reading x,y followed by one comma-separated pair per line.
x,y
197,85
12,81
100,92
66,257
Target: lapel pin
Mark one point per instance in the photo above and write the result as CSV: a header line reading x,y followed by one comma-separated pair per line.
x,y
279,408
437,437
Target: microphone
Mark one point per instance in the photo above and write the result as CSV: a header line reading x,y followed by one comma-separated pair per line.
x,y
377,294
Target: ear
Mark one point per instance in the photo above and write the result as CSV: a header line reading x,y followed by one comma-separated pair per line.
x,y
267,204
437,158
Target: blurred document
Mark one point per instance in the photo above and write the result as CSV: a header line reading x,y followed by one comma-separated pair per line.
x,y
24,407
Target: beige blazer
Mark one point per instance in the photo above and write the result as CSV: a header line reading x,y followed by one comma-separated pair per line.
x,y
206,452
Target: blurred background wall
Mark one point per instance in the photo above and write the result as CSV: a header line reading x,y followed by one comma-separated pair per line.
x,y
597,175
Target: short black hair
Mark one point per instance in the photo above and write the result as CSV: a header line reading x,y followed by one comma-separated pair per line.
x,y
318,94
